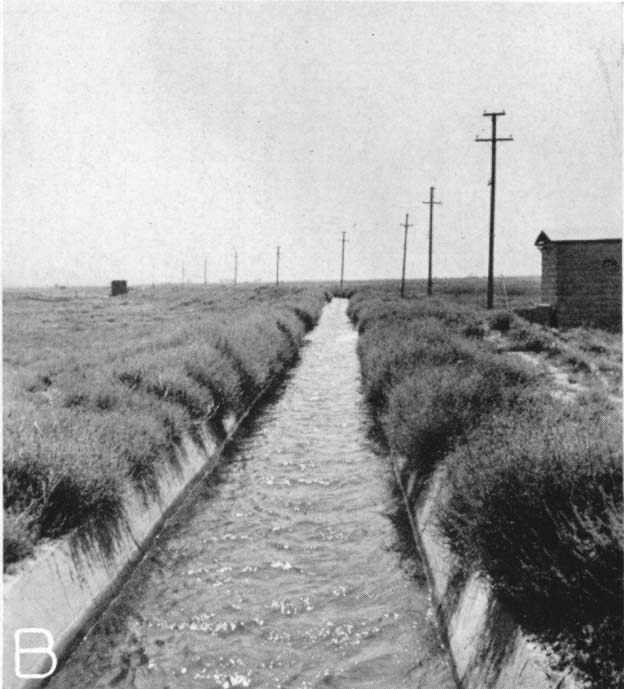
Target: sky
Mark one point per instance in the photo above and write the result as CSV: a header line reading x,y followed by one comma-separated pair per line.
x,y
140,137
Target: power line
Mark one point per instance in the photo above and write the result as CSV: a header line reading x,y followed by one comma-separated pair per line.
x,y
405,225
493,140
431,203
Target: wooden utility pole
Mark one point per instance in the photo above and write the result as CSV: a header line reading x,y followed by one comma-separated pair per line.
x,y
182,273
493,140
431,203
205,281
277,267
406,225
342,260
235,268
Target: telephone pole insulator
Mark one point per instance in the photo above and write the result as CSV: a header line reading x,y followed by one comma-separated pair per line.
x,y
493,140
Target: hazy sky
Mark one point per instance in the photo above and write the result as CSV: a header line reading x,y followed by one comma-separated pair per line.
x,y
138,136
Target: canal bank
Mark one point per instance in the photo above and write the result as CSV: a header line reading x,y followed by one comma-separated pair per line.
x,y
67,584
487,648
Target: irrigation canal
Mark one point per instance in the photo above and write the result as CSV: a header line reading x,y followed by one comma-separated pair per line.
x,y
284,570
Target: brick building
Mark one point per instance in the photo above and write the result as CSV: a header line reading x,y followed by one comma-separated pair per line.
x,y
582,280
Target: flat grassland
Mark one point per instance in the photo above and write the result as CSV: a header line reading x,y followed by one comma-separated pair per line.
x,y
525,424
98,391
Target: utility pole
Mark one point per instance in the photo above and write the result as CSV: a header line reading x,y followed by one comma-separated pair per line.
x,y
277,267
406,225
182,273
205,282
493,140
342,260
235,268
431,203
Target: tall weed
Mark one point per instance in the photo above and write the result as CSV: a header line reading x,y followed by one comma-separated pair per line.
x,y
535,504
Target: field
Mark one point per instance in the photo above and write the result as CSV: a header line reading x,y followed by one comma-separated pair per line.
x,y
525,423
508,293
98,391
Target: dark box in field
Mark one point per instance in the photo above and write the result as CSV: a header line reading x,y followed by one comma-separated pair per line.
x,y
118,287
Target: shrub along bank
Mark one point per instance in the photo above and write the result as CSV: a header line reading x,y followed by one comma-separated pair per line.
x,y
89,414
533,483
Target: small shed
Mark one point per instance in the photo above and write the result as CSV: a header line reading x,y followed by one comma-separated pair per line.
x,y
118,287
582,280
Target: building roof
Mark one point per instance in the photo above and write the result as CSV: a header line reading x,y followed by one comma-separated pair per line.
x,y
543,239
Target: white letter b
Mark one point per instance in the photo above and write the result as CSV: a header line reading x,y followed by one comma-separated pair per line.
x,y
40,650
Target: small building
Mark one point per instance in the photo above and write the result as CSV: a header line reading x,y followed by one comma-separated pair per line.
x,y
118,287
582,280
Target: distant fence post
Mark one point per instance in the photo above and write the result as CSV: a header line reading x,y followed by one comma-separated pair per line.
x,y
118,287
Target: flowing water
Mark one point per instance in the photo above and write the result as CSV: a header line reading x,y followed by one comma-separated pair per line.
x,y
284,569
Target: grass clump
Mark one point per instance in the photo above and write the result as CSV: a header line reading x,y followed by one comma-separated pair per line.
x,y
212,370
163,376
427,379
528,337
58,478
501,320
19,537
433,408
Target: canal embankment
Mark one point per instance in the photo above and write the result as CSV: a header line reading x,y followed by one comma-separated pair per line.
x,y
66,585
486,646
513,492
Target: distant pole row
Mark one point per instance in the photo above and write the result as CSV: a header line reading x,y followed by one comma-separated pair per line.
x,y
277,267
406,225
431,203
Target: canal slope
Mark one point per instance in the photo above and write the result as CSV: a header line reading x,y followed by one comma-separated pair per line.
x,y
283,571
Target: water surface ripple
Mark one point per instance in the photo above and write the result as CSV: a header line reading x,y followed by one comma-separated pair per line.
x,y
283,570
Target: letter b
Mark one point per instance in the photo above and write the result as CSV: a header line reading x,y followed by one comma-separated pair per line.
x,y
39,650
